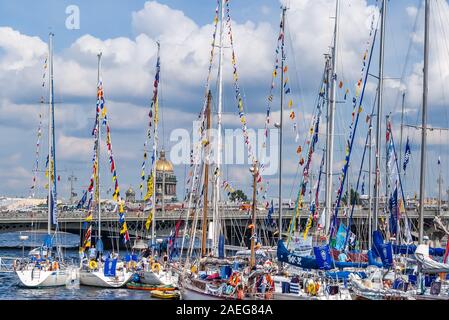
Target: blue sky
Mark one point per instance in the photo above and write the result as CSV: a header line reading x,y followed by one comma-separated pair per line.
x,y
126,31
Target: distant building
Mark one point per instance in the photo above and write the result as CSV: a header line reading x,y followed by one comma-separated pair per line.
x,y
130,195
165,180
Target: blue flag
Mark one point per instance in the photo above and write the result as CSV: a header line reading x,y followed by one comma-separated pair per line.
x,y
408,152
270,221
363,185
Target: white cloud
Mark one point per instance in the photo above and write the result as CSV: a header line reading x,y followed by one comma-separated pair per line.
x,y
71,148
20,51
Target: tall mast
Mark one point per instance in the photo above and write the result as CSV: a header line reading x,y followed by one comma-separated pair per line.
x,y
284,9
330,120
255,172
220,109
379,115
387,169
370,173
98,149
156,121
401,132
440,181
51,139
424,122
206,179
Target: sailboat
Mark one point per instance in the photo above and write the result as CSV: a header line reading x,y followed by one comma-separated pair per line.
x,y
46,267
211,274
154,272
322,257
97,269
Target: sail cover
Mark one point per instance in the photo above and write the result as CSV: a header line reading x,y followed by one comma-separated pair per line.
x,y
294,259
428,265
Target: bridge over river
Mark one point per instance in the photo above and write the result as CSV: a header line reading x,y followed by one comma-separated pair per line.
x,y
235,222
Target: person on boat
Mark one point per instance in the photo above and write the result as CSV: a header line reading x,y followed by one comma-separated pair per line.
x,y
342,257
92,253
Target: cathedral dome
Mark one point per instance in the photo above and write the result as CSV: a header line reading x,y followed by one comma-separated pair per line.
x,y
163,164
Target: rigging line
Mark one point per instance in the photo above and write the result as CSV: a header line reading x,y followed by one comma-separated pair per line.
x,y
408,54
447,51
360,171
334,220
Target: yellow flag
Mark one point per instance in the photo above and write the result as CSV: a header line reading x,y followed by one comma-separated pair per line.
x,y
156,111
116,193
150,188
124,228
149,219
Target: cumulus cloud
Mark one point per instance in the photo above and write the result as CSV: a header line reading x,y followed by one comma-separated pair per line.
x,y
128,73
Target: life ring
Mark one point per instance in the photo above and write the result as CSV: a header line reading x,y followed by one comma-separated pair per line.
x,y
131,265
156,267
235,280
93,264
311,288
55,265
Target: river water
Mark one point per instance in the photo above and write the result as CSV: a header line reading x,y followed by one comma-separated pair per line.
x,y
11,246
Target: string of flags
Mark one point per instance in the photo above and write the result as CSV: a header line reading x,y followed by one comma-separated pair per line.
x,y
191,179
101,114
36,163
353,126
311,142
238,95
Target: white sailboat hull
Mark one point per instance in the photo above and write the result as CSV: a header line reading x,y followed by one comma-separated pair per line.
x,y
39,278
98,279
165,278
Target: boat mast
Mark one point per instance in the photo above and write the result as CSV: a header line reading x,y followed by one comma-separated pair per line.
x,y
401,132
387,169
156,139
284,9
370,173
440,181
379,115
220,109
206,179
424,122
330,121
51,139
98,149
255,172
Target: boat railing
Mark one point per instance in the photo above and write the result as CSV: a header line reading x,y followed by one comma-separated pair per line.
x,y
7,264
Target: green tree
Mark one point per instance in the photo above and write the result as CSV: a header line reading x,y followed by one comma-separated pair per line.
x,y
355,196
238,195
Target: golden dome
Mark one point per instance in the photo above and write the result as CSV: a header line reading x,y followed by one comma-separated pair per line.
x,y
163,164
